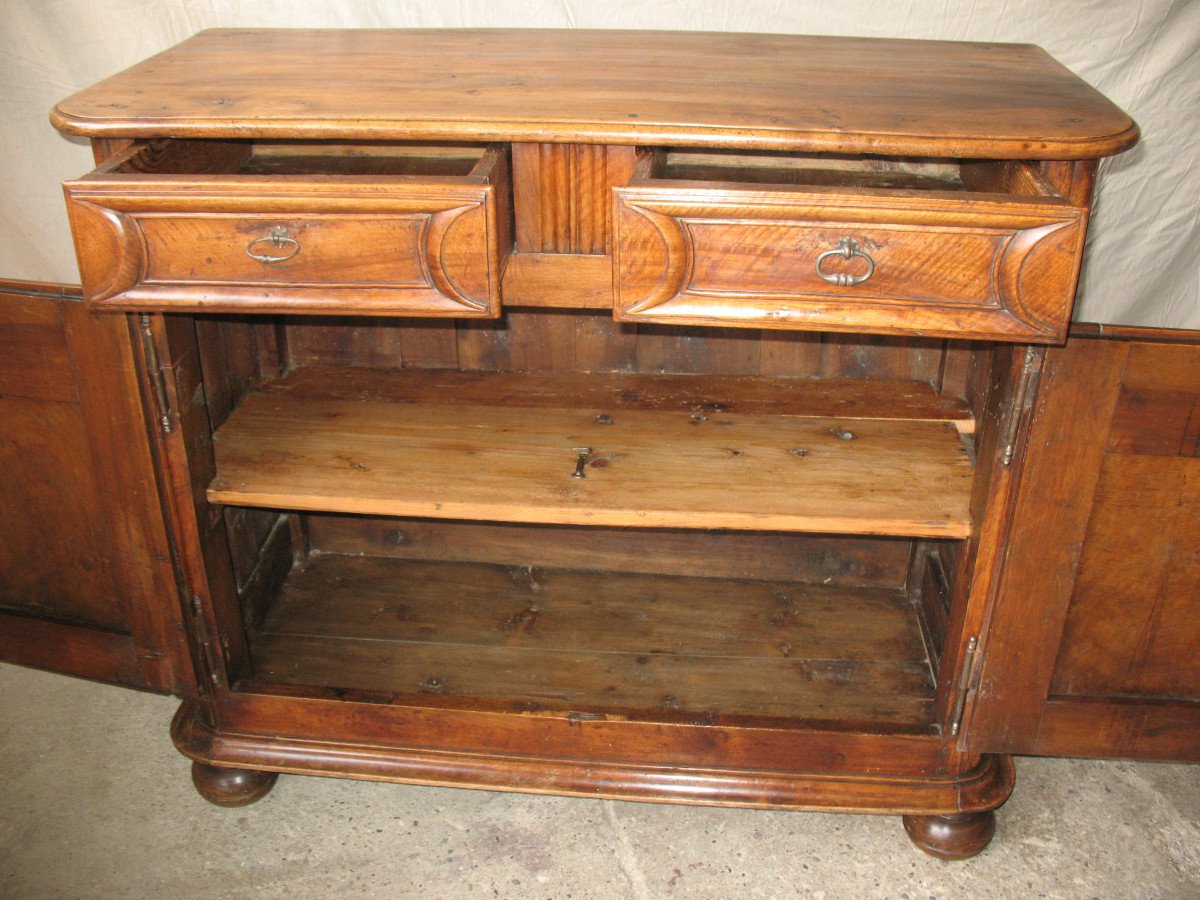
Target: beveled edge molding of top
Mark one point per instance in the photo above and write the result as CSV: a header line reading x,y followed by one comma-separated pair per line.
x,y
601,111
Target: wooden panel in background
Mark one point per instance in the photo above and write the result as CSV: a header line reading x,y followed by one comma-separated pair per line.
x,y
231,365
711,554
695,351
790,354
331,341
590,341
611,392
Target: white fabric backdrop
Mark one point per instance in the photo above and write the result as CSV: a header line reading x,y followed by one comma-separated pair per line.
x,y
1143,263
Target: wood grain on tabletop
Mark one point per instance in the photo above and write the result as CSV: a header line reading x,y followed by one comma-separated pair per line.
x,y
844,95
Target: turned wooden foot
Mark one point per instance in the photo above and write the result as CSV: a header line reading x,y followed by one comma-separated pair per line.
x,y
231,787
956,836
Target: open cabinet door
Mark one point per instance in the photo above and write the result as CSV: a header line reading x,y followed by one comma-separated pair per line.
x,y
87,585
1095,647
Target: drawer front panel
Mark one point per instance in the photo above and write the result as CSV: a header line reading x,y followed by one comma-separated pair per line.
x,y
968,267
335,245
355,250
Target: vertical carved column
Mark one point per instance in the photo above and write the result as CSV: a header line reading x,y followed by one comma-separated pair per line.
x,y
561,195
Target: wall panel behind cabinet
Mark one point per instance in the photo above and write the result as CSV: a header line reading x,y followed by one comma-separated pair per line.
x,y
533,340
86,581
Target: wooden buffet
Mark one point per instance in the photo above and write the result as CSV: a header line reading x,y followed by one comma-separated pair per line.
x,y
608,413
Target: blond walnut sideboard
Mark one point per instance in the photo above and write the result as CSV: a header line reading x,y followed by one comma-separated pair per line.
x,y
635,415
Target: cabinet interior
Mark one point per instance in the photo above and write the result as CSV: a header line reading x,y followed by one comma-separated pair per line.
x,y
273,158
594,611
1011,177
460,159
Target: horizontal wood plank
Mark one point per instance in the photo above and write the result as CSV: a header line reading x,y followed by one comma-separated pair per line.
x,y
85,652
598,641
842,561
843,95
1125,728
507,460
611,392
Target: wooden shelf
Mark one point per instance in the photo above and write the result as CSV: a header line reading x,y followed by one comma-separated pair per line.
x,y
665,451
595,643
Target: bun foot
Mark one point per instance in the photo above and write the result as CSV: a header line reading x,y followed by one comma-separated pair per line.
x,y
231,787
957,836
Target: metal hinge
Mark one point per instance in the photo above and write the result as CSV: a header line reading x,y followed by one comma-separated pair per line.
x,y
1021,401
204,640
158,379
965,683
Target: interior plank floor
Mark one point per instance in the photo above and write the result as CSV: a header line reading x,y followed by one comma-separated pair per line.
x,y
597,642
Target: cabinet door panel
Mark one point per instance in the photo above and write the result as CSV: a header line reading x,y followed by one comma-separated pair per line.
x,y
86,581
1133,626
34,361
51,560
1096,648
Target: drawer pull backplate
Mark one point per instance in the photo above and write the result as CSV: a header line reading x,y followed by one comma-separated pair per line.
x,y
847,248
277,237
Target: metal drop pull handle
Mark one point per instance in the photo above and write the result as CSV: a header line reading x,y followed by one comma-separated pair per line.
x,y
278,237
847,248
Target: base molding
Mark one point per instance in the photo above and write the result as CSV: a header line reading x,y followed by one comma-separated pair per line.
x,y
982,789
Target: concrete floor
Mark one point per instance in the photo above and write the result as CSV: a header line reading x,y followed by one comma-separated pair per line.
x,y
94,802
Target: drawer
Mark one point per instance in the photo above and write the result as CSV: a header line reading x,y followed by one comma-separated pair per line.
x,y
966,249
228,226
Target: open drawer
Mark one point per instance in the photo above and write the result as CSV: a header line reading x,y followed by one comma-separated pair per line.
x,y
965,249
236,226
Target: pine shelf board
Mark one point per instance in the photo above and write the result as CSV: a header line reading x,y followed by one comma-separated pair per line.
x,y
662,453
